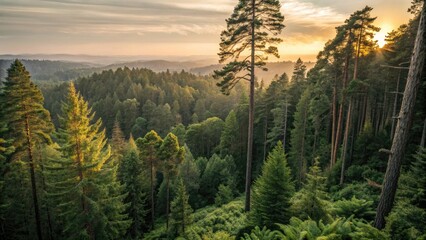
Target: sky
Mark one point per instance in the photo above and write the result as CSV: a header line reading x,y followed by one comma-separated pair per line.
x,y
170,27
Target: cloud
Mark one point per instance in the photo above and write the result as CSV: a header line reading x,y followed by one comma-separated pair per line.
x,y
305,22
169,25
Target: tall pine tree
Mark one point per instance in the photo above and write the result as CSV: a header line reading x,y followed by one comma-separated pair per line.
x,y
134,175
171,155
27,123
149,151
180,210
248,30
84,182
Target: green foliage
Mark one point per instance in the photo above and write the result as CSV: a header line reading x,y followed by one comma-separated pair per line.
x,y
83,183
141,96
261,234
134,176
406,221
204,138
211,222
358,208
223,195
180,211
190,174
25,127
311,202
245,32
218,171
340,228
273,190
300,149
229,135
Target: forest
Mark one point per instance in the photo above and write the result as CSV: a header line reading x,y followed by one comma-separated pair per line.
x,y
333,151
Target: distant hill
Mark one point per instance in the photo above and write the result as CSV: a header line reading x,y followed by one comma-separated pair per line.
x,y
274,68
162,65
58,70
46,69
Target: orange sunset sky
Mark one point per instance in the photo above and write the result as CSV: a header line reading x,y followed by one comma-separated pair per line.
x,y
170,27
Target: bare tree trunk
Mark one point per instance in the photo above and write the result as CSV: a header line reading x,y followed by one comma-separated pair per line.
x,y
345,141
400,139
265,133
33,180
333,123
395,103
302,163
285,122
251,115
340,119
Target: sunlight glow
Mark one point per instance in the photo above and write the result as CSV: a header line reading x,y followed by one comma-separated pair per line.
x,y
380,36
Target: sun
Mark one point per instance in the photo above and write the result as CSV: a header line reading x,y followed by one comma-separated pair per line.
x,y
380,36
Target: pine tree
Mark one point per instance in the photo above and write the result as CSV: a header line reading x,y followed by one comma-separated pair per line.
x,y
171,156
27,123
311,200
84,183
118,142
390,182
135,178
299,72
298,140
248,28
229,135
180,210
149,152
273,190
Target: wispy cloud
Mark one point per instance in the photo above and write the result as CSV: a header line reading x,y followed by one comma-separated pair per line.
x,y
169,25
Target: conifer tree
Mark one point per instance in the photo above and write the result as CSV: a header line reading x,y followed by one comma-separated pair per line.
x,y
248,29
311,201
273,190
118,142
171,155
149,152
298,138
181,210
134,176
397,151
84,183
27,123
229,135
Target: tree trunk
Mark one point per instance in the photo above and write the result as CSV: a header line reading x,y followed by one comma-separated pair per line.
x,y
395,103
43,181
152,193
251,115
400,139
285,122
302,151
340,119
265,133
167,202
33,180
345,141
333,123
